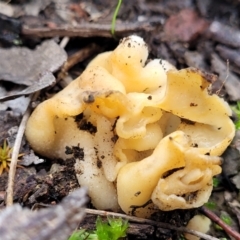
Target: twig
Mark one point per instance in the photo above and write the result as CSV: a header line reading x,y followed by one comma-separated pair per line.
x,y
219,90
72,60
222,224
147,221
15,153
64,42
91,29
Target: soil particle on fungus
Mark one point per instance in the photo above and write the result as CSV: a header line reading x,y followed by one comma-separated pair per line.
x,y
194,145
146,205
85,125
76,151
137,193
99,163
190,197
114,124
79,117
89,99
150,97
114,138
193,104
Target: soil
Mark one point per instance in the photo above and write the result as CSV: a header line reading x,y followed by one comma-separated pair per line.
x,y
189,33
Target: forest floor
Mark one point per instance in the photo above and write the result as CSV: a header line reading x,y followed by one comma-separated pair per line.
x,y
39,36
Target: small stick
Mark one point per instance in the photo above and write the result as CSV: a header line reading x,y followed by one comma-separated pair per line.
x,y
64,42
222,224
151,222
72,60
91,29
15,153
219,90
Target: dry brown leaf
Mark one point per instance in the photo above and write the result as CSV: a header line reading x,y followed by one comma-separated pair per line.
x,y
23,66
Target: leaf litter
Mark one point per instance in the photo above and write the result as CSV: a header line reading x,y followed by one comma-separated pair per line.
x,y
39,183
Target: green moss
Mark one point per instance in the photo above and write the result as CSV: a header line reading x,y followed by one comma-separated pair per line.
x,y
112,229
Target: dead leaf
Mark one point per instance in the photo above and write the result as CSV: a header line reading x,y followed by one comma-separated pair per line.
x,y
43,81
7,121
185,26
31,158
55,223
224,34
6,9
34,7
23,66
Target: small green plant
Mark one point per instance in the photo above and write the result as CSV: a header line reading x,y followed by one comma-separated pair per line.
x,y
226,219
236,109
182,237
113,229
211,205
216,182
115,17
82,235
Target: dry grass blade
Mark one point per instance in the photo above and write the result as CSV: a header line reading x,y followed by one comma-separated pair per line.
x,y
15,153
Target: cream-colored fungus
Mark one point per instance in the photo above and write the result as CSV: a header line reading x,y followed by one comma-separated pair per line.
x,y
149,133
